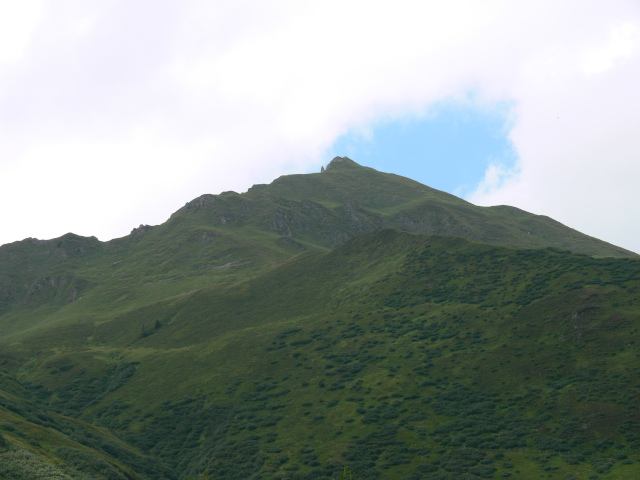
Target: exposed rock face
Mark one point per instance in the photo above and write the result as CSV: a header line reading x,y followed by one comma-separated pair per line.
x,y
335,162
339,162
141,229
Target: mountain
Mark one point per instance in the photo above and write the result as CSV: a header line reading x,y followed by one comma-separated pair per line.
x,y
230,237
345,319
346,200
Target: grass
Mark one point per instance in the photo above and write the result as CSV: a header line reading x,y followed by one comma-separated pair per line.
x,y
417,349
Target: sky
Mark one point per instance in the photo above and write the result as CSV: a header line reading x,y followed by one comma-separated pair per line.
x,y
114,114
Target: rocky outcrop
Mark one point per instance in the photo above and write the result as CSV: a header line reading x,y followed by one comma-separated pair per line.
x,y
142,229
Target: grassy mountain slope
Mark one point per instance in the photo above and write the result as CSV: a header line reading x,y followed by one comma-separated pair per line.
x,y
399,355
39,443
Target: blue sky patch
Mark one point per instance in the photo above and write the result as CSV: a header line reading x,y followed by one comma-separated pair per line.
x,y
449,149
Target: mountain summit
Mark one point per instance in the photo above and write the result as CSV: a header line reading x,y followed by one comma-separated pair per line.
x,y
341,162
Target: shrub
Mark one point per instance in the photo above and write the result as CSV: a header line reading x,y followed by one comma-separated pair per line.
x,y
23,465
346,474
89,464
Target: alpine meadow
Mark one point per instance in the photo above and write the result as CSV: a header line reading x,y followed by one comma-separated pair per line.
x,y
342,324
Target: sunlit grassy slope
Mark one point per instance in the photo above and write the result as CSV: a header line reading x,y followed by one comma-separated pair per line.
x,y
238,341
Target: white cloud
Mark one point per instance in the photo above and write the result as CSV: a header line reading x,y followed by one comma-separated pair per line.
x,y
576,138
495,178
114,114
623,43
18,20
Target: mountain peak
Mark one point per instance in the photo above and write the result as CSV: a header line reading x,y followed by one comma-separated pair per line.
x,y
341,162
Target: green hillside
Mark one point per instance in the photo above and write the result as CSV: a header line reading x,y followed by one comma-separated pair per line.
x,y
295,330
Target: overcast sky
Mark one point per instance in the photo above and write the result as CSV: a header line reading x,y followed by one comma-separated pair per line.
x,y
116,113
